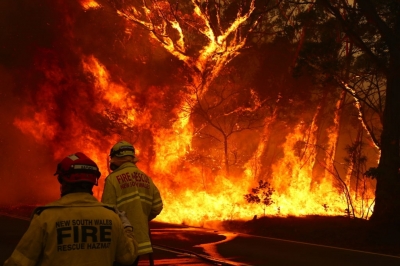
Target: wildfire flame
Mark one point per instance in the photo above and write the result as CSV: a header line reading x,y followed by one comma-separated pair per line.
x,y
89,4
192,194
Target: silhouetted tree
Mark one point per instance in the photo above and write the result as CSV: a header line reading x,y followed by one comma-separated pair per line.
x,y
261,195
374,28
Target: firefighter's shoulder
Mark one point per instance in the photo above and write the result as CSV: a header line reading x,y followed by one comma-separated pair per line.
x,y
109,207
38,210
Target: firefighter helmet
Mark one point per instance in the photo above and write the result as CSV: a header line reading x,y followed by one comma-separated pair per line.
x,y
77,168
121,149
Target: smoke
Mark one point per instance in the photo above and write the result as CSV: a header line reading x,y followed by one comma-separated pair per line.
x,y
26,167
51,101
29,45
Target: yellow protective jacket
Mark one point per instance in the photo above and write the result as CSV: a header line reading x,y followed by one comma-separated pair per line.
x,y
74,230
134,192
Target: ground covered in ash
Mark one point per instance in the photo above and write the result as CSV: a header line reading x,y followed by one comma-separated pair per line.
x,y
338,231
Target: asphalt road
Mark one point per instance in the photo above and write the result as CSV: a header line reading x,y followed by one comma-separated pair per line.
x,y
179,245
241,249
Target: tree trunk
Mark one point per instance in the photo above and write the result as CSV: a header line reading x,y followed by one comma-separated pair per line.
x,y
387,195
226,155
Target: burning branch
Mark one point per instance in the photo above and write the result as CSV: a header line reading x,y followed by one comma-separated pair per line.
x,y
173,26
361,112
223,112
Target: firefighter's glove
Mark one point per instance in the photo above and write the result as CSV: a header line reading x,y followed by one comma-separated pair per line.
x,y
123,218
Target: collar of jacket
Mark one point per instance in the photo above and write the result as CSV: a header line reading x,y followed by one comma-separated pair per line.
x,y
76,199
125,165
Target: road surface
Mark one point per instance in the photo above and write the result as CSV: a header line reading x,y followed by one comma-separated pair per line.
x,y
180,245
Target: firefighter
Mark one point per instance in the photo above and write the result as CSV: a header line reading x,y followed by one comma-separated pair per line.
x,y
132,191
76,229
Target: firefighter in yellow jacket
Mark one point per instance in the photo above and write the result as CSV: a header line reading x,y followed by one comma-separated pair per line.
x,y
76,229
132,191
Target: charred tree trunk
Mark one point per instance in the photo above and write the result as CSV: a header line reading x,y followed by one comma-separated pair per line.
x,y
387,205
260,167
226,155
387,195
356,160
386,214
333,133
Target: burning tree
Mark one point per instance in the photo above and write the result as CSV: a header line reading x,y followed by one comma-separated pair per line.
x,y
155,62
222,113
356,161
205,36
372,27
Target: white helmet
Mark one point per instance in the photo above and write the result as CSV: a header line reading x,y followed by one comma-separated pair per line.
x,y
121,149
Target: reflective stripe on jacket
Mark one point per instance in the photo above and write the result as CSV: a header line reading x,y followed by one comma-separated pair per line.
x,y
74,230
134,192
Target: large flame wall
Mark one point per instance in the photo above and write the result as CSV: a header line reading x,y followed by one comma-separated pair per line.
x,y
88,85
